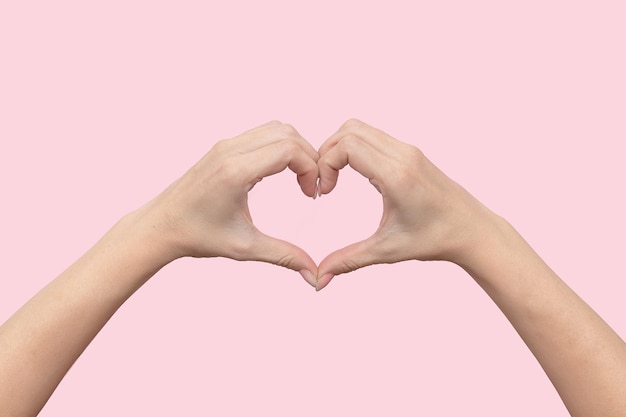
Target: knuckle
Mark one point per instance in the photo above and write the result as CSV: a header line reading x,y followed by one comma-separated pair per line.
x,y
416,155
352,123
221,145
228,171
349,266
350,142
385,250
285,261
289,147
398,181
288,130
407,170
418,161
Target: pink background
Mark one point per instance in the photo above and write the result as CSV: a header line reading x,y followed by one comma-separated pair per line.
x,y
103,104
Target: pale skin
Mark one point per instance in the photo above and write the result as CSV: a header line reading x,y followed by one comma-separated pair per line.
x,y
426,216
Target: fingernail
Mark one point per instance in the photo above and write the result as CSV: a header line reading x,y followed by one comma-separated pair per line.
x,y
309,277
317,191
323,281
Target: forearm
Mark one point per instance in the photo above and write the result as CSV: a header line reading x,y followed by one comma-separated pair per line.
x,y
41,341
202,214
583,357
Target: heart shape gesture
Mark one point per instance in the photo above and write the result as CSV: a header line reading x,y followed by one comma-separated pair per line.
x,y
426,215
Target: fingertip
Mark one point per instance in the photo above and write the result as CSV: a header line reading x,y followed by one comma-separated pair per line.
x,y
323,281
306,170
328,177
327,185
309,277
319,187
308,184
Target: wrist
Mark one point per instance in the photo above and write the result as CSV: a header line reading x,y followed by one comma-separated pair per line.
x,y
149,232
491,239
500,260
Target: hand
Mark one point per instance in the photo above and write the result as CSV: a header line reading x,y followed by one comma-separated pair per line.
x,y
205,213
426,215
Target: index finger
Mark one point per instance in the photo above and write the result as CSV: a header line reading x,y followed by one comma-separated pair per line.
x,y
269,133
354,151
375,137
275,157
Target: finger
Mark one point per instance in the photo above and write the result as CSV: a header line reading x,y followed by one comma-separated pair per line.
x,y
375,137
270,133
348,259
288,132
279,252
252,132
275,157
354,151
244,142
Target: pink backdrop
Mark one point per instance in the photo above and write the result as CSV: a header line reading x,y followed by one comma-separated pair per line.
x,y
103,104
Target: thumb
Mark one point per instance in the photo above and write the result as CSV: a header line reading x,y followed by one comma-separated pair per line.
x,y
352,257
279,252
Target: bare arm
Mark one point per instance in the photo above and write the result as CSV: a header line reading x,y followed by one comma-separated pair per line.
x,y
40,342
427,216
203,214
583,357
